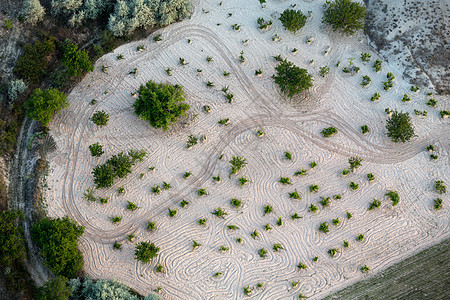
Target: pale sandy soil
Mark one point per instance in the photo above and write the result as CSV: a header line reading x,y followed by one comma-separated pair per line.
x,y
391,233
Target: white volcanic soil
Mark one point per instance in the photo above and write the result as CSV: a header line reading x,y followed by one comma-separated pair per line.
x,y
391,233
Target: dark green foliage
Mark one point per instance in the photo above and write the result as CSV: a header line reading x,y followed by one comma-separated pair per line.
x,y
32,64
202,192
353,185
117,245
201,221
344,15
96,150
183,203
336,221
236,202
277,247
288,155
145,251
58,239
327,132
349,215
219,212
279,221
172,212
285,180
313,208
195,244
360,237
325,201
295,216
295,195
192,141
365,129
301,266
345,244
333,252
55,289
431,102
440,186
254,234
370,177
268,209
41,105
437,203
187,174
324,227
312,164
291,79
303,172
293,20
313,188
131,236
223,248
393,195
160,104
374,204
100,118
237,163
117,166
365,269
76,60
355,162
116,219
315,258
262,252
12,244
377,65
151,225
131,206
232,227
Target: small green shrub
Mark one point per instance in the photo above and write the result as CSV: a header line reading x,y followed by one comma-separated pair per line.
x,y
324,227
333,252
100,118
327,132
374,204
220,213
293,20
313,188
96,150
76,60
365,129
440,187
145,251
285,180
313,208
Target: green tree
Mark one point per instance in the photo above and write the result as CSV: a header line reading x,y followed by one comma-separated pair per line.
x,y
76,60
12,244
160,104
41,105
55,289
293,20
103,175
399,127
100,118
344,15
96,150
145,251
291,79
58,239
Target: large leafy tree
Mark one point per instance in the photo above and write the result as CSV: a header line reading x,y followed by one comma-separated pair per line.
x,y
12,245
58,239
344,15
41,105
55,289
399,127
293,20
291,79
145,251
160,104
76,60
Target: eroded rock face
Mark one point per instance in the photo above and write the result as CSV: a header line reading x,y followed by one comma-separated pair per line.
x,y
415,35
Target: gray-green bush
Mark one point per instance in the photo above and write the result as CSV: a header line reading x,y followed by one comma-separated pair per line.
x,y
32,11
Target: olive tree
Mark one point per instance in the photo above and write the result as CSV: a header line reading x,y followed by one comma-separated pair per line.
x,y
160,104
32,11
399,127
344,15
291,79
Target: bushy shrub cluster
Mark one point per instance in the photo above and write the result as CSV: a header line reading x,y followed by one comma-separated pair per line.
x,y
123,16
76,60
32,64
12,244
160,104
291,79
41,105
117,166
16,87
344,15
58,239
